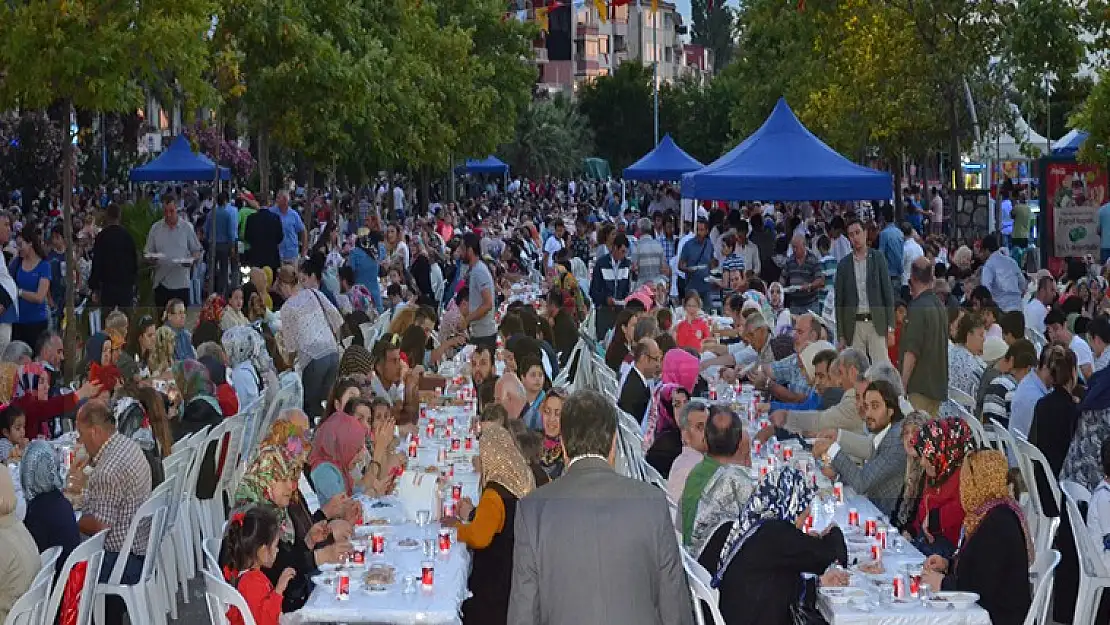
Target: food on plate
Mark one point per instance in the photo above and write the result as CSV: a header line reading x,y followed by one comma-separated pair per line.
x,y
431,469
379,574
377,522
875,567
381,504
408,542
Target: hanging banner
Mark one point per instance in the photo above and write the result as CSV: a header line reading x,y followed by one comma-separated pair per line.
x,y
1074,191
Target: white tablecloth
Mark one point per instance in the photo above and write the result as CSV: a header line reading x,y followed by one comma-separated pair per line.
x,y
437,606
899,553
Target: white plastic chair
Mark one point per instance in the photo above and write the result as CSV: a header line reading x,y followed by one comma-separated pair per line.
x,y
1093,574
1043,576
961,398
27,610
977,431
48,560
141,597
212,554
1046,528
90,552
702,590
220,595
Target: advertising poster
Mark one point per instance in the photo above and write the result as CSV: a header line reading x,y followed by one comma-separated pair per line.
x,y
1075,191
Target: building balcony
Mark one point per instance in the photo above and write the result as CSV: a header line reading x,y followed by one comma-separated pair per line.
x,y
539,54
586,65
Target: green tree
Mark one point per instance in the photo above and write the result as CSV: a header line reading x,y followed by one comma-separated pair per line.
x,y
1093,116
697,116
619,110
552,138
98,57
712,28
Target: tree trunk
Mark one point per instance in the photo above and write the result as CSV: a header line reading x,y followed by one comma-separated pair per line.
x,y
263,167
211,222
70,333
954,146
898,199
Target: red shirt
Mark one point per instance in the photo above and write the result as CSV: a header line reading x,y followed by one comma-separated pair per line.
x,y
946,499
692,333
265,604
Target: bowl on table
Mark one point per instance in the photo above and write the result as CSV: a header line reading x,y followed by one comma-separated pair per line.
x,y
952,600
842,595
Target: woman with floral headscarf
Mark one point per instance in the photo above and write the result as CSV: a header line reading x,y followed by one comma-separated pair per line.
x,y
758,561
940,446
905,510
198,408
49,515
995,550
506,478
249,361
161,357
271,479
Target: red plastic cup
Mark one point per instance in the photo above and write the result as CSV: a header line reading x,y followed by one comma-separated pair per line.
x,y
444,540
427,573
343,588
377,543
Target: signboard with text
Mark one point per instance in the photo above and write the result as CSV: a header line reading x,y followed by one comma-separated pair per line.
x,y
1073,193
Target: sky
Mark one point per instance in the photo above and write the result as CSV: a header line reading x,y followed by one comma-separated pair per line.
x,y
684,9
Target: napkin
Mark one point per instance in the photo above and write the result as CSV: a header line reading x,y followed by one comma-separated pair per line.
x,y
417,490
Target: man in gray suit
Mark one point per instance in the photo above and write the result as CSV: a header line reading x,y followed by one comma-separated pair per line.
x,y
593,546
881,477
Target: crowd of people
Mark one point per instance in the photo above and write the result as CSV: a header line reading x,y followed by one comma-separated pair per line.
x,y
867,337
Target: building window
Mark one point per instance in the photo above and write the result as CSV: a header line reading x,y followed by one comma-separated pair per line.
x,y
603,44
666,55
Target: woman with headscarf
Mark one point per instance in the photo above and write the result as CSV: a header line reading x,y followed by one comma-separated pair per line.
x,y
271,479
776,297
341,464
996,550
101,354
940,446
662,436
506,478
197,409
263,279
356,360
19,557
49,516
1082,463
161,357
758,561
905,510
250,362
551,455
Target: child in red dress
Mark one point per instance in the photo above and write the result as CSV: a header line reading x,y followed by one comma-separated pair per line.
x,y
250,543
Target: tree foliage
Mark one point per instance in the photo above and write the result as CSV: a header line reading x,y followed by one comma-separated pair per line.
x,y
712,28
696,116
619,110
552,138
99,56
30,151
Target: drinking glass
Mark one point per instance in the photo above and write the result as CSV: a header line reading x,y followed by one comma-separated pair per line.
x,y
408,584
422,517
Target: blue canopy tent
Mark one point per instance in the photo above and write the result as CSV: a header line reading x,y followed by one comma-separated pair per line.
x,y
666,162
488,165
179,163
1068,144
785,161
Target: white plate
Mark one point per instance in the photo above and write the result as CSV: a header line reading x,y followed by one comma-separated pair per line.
x,y
183,261
952,600
326,578
843,595
154,256
398,545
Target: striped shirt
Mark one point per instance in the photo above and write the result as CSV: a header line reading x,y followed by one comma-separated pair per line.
x,y
997,399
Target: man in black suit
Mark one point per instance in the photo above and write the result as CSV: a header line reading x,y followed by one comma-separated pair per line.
x,y
635,397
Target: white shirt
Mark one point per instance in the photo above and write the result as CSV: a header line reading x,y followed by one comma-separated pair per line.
x,y
911,251
876,440
840,247
1098,518
1102,361
675,273
1083,353
551,247
1035,313
399,201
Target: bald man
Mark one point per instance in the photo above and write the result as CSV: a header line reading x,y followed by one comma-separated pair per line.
x,y
509,391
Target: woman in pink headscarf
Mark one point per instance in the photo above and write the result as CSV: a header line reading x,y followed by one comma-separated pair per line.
x,y
662,437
